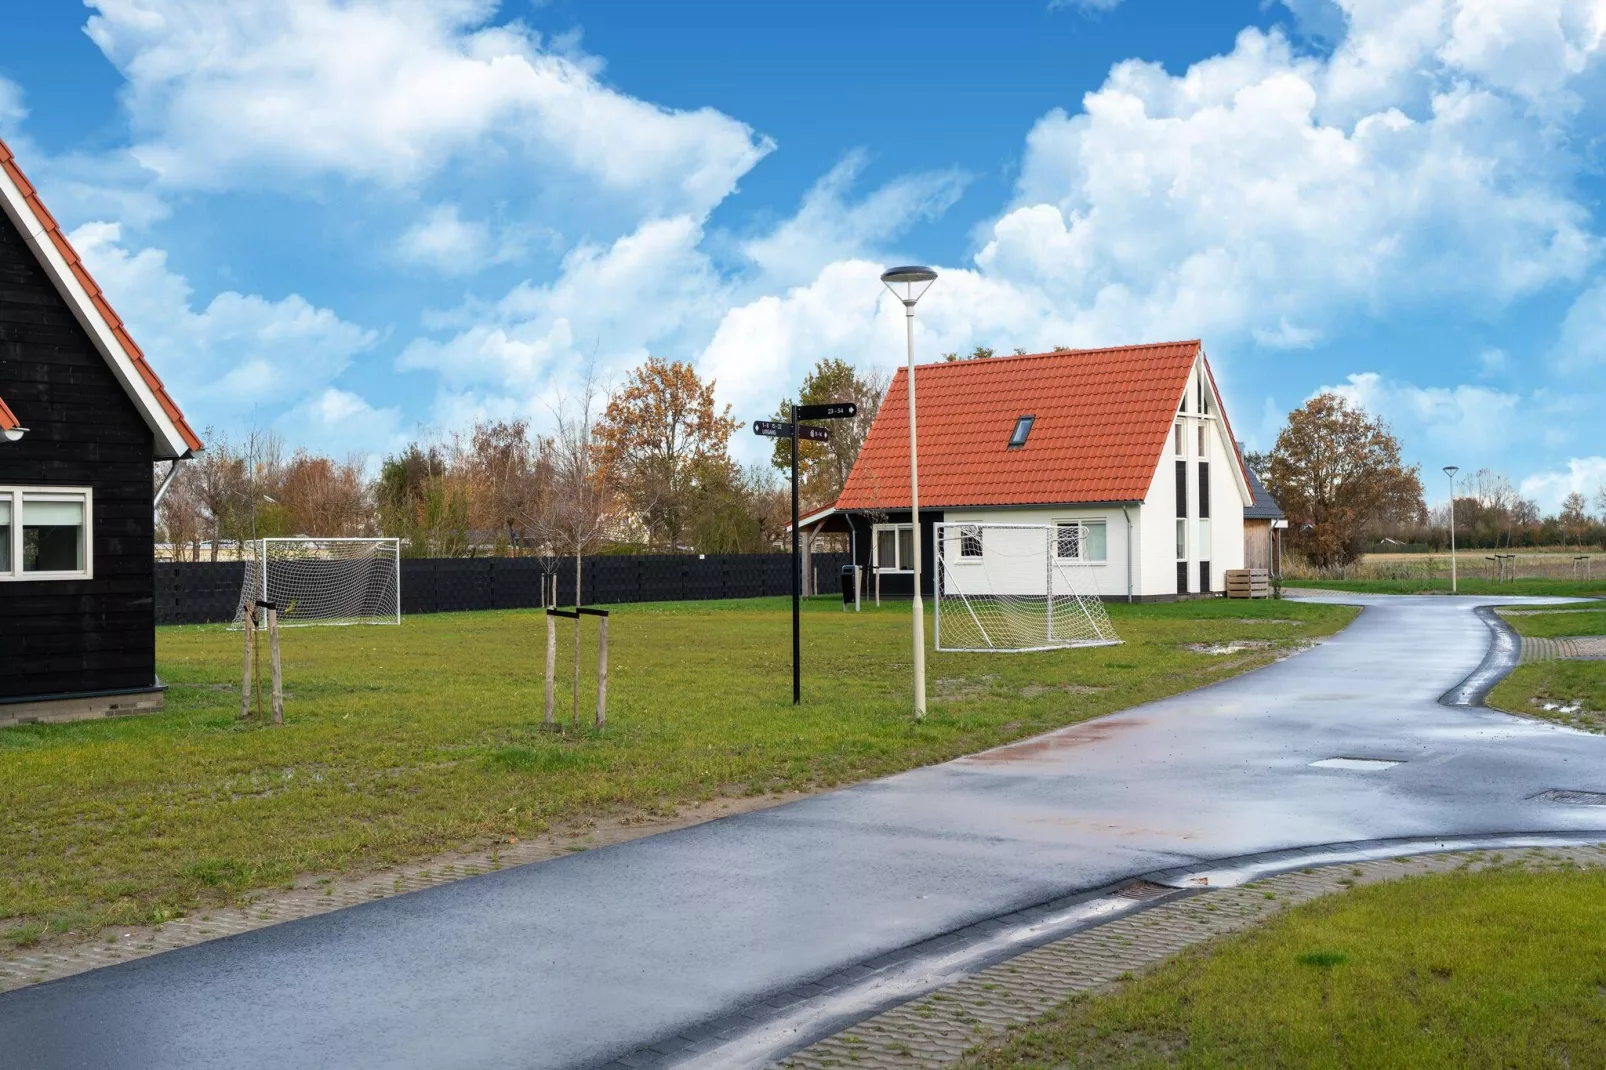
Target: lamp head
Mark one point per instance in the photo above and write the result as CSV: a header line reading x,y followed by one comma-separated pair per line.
x,y
13,434
1451,469
909,277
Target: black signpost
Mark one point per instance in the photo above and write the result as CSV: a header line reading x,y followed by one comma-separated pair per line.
x,y
836,410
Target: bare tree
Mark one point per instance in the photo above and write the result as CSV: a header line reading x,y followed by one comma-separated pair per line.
x,y
581,508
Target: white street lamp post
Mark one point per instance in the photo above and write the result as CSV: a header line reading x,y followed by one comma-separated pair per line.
x,y
910,278
1450,470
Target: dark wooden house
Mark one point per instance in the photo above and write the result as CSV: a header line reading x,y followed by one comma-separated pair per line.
x,y
82,421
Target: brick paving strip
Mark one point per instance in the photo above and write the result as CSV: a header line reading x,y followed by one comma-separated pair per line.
x,y
56,956
936,1030
1579,647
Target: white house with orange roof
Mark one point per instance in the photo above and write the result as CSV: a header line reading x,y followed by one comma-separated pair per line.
x,y
1126,452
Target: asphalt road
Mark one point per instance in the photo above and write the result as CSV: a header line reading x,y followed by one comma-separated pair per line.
x,y
572,962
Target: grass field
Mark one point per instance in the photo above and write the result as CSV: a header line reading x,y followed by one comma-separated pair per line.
x,y
1501,968
1557,588
401,742
1576,688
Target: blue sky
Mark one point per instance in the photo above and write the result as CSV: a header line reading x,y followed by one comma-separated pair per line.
x,y
357,223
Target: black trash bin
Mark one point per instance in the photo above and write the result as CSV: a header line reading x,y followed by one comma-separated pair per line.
x,y
849,574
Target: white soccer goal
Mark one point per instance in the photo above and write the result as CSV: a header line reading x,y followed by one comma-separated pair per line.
x,y
1016,587
324,581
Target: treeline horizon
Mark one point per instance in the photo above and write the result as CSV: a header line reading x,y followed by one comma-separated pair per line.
x,y
642,468
646,467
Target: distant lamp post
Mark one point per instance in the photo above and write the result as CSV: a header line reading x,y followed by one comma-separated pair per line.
x,y
913,281
1450,470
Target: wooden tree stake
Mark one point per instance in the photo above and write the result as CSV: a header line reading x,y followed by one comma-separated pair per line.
x,y
602,675
273,653
245,679
551,666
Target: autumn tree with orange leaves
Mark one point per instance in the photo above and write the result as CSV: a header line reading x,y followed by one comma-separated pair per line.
x,y
661,437
1337,473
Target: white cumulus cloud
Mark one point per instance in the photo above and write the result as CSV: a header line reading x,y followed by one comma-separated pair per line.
x,y
237,352
1584,475
257,91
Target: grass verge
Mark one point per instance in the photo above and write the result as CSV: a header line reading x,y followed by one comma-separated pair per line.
x,y
402,742
1466,585
1499,968
1573,691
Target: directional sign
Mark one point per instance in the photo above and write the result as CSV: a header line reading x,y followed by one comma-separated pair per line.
x,y
777,429
836,410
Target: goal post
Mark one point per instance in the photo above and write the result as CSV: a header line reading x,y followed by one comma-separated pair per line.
x,y
324,581
1016,587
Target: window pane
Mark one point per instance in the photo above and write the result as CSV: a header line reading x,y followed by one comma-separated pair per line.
x,y
970,542
1204,446
5,534
886,542
1204,540
52,536
1178,437
1182,539
1023,427
1093,541
1069,541
906,548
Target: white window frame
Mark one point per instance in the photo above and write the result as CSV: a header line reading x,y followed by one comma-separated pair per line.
x,y
970,537
1081,539
16,494
897,543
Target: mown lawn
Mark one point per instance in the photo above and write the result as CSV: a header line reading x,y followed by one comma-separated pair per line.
x,y
1478,585
401,742
1501,968
1575,690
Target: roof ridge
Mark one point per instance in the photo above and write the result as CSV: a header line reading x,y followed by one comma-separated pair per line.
x,y
984,361
51,230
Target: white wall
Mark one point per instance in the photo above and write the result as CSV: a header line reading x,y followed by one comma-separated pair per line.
x,y
1153,536
1228,497
1109,578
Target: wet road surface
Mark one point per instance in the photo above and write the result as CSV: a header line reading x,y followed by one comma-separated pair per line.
x,y
575,961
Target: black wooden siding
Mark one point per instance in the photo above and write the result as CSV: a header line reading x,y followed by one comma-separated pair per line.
x,y
206,592
83,431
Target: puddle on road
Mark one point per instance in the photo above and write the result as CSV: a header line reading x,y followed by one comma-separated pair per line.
x,y
1065,739
1358,764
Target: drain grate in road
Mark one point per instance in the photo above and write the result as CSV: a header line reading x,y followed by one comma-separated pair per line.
x,y
1142,890
1574,798
1363,764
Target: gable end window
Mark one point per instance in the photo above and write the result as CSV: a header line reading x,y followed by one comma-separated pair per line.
x,y
1023,427
44,533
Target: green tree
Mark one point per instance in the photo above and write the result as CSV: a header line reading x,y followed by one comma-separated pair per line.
x,y
420,502
823,467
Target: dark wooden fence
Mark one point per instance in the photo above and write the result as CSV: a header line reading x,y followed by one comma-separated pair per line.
x,y
204,592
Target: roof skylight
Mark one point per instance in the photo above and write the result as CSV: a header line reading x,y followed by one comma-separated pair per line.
x,y
1023,427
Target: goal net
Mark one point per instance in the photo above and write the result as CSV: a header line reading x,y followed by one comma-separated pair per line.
x,y
324,581
1004,587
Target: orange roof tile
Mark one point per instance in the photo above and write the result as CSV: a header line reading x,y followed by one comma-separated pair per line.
x,y
1103,417
98,299
8,419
